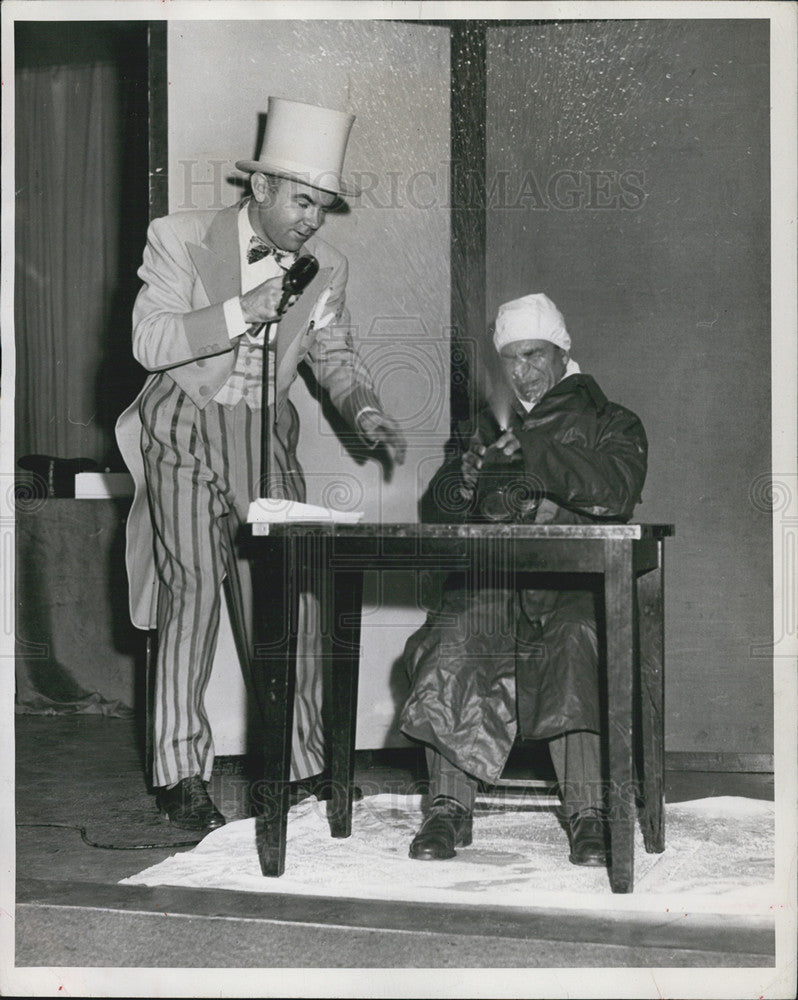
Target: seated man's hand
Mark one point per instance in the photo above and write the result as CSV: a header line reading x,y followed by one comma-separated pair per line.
x,y
470,465
379,428
473,460
508,444
260,304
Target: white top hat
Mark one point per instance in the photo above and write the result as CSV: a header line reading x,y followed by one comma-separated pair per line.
x,y
305,143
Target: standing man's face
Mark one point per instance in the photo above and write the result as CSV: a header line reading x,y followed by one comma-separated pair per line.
x,y
287,212
533,367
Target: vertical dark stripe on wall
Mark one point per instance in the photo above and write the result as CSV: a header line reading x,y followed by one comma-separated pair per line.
x,y
468,222
159,175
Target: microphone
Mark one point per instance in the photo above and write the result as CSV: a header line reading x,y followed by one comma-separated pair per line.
x,y
297,278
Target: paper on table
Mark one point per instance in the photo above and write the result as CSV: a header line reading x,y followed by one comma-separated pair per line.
x,y
99,485
270,511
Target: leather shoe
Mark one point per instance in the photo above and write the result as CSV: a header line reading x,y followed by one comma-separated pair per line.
x,y
447,826
189,806
588,840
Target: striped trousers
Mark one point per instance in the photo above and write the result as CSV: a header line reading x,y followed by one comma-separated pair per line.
x,y
202,471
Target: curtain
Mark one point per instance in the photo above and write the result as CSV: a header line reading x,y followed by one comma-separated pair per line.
x,y
68,131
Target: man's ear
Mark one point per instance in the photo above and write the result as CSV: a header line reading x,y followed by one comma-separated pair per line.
x,y
259,185
565,355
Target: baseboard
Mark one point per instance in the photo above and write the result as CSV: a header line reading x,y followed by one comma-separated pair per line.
x,y
747,763
675,760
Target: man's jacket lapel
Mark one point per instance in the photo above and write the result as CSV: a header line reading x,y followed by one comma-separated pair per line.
x,y
216,259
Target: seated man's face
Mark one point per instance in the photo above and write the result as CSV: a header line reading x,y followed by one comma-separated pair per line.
x,y
532,367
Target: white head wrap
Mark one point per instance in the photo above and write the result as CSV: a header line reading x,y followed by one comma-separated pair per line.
x,y
533,317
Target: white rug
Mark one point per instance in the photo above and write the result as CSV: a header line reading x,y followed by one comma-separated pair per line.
x,y
719,858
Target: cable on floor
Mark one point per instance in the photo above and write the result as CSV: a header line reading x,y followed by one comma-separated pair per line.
x,y
111,847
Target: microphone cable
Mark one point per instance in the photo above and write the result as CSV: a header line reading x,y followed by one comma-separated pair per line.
x,y
109,847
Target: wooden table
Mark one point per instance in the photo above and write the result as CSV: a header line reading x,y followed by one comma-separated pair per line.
x,y
629,557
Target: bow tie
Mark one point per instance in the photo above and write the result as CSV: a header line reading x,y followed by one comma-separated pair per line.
x,y
257,250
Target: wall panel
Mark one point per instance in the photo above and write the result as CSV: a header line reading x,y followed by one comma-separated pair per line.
x,y
395,78
628,175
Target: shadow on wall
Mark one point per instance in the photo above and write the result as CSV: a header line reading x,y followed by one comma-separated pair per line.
x,y
349,439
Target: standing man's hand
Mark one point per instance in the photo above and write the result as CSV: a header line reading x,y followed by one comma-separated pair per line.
x,y
379,428
260,304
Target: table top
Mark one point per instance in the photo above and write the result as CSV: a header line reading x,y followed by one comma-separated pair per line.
x,y
466,531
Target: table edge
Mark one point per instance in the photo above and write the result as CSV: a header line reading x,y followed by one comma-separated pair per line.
x,y
634,531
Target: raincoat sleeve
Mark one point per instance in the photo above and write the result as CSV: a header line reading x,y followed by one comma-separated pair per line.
x,y
595,470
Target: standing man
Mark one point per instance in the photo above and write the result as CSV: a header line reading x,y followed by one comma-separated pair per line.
x,y
499,659
212,286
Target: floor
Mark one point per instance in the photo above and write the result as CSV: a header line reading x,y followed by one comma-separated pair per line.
x,y
86,771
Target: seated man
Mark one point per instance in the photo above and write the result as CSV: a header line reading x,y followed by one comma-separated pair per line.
x,y
499,658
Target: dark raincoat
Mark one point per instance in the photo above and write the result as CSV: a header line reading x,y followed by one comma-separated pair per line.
x,y
493,662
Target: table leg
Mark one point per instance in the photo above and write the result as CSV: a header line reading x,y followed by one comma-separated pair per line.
x,y
619,595
273,679
652,679
347,601
151,655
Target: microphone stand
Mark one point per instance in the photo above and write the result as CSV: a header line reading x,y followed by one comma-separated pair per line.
x,y
266,424
265,428
295,280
